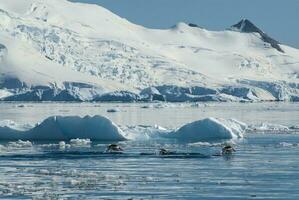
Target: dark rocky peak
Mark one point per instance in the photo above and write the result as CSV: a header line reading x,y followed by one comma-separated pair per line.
x,y
193,25
246,26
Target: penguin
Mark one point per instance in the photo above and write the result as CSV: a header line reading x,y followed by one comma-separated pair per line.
x,y
114,148
228,149
165,152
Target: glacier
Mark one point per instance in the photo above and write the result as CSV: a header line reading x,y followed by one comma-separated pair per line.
x,y
49,52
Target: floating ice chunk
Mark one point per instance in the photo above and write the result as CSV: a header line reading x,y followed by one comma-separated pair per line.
x,y
164,105
80,142
266,127
74,182
2,148
43,172
19,144
209,129
62,145
145,132
287,144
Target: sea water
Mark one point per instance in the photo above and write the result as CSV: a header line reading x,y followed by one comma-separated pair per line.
x,y
265,165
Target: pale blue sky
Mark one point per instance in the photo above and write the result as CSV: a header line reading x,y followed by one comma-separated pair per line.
x,y
278,18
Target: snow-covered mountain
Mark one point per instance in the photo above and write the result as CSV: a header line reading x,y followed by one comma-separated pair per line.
x,y
55,50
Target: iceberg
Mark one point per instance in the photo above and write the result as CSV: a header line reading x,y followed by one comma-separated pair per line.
x,y
66,128
205,130
82,131
210,129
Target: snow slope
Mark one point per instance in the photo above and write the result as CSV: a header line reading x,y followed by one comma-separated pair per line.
x,y
55,50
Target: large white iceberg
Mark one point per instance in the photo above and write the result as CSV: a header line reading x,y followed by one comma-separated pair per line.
x,y
66,128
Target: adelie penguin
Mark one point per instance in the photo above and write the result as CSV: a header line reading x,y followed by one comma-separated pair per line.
x,y
165,152
228,149
114,148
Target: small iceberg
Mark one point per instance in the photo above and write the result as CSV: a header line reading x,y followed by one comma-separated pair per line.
x,y
209,129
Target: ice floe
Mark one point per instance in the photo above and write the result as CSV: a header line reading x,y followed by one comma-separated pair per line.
x,y
62,145
20,144
80,142
287,144
268,127
145,132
